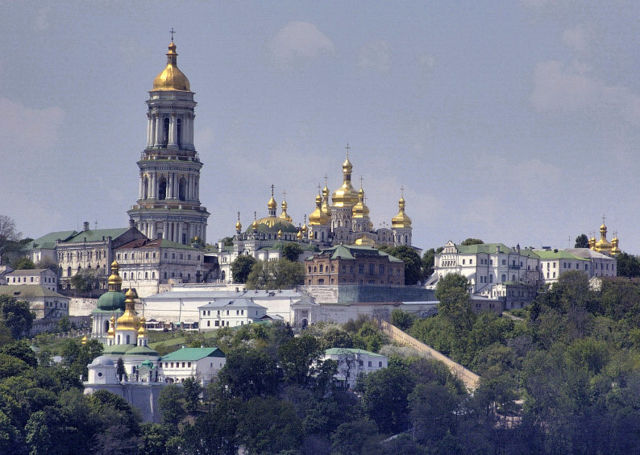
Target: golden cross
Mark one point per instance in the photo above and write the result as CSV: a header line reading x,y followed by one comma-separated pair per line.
x,y
172,31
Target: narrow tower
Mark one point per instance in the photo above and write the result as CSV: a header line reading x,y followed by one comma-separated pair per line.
x,y
168,204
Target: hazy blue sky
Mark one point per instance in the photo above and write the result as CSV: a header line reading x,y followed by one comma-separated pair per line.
x,y
511,121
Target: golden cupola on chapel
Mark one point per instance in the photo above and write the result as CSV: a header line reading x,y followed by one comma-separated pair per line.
x,y
360,210
171,78
129,320
318,217
284,215
603,245
401,220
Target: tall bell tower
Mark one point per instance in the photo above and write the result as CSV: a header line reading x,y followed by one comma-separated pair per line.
x,y
168,204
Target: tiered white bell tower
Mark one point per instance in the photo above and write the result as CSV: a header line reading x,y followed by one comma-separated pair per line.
x,y
168,204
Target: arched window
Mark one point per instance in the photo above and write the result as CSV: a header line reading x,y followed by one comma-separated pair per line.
x,y
179,138
165,132
182,187
68,271
162,189
106,326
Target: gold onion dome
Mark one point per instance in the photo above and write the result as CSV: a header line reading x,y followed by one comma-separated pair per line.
x,y
272,204
325,200
365,240
254,225
304,228
318,217
238,226
299,235
360,210
284,215
112,323
345,196
114,278
142,331
401,220
171,78
129,319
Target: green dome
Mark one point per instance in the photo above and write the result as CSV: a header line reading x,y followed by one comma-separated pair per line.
x,y
111,301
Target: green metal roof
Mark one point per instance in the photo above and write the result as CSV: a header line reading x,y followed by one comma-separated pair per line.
x,y
193,354
118,349
48,241
96,235
559,254
487,248
28,290
352,251
350,351
142,350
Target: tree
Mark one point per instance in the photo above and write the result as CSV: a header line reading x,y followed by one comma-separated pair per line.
x,y
64,324
269,426
428,261
385,397
628,265
85,281
297,357
280,274
16,316
227,241
120,370
582,241
171,401
452,292
292,251
23,263
192,391
248,373
402,319
10,245
412,262
433,409
471,241
241,267
357,437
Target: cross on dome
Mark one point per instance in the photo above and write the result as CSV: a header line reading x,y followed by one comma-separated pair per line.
x,y
172,31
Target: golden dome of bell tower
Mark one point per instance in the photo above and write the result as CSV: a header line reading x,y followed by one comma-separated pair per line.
x,y
346,195
171,78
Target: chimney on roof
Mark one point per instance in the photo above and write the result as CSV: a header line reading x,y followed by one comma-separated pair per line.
x,y
85,226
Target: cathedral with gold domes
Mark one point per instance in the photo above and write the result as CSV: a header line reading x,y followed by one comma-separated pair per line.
x,y
603,245
341,217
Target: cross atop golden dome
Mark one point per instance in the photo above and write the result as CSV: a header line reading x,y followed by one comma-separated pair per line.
x,y
318,217
115,282
345,196
171,78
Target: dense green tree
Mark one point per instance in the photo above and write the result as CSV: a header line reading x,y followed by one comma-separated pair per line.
x,y
356,437
171,402
248,373
471,241
227,241
121,372
269,426
412,262
385,397
280,274
85,281
297,356
215,431
64,324
452,292
23,263
241,267
402,319
369,337
582,241
627,265
153,439
336,338
428,261
292,251
16,316
11,246
22,351
433,411
192,391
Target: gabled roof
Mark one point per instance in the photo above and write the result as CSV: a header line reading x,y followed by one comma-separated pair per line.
x,y
48,241
97,235
193,354
28,290
352,252
351,351
487,248
558,254
27,272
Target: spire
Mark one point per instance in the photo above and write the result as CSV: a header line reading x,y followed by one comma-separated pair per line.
x,y
272,205
238,225
401,220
